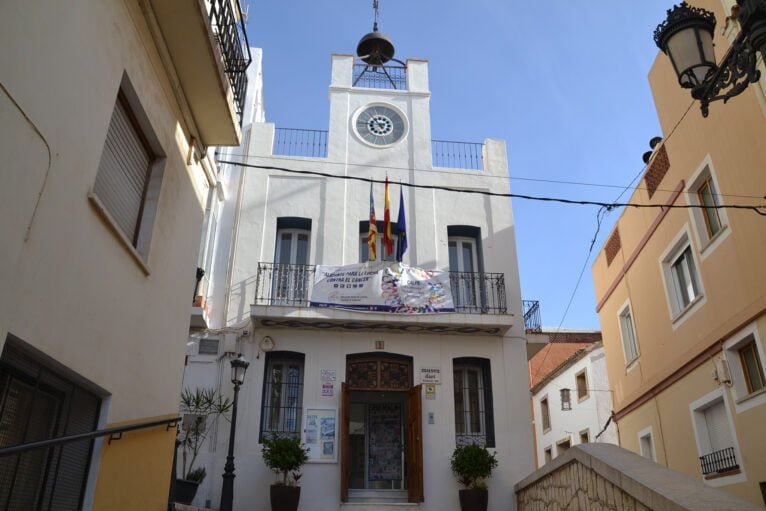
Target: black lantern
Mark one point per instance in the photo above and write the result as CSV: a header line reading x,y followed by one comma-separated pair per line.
x,y
566,402
686,36
238,369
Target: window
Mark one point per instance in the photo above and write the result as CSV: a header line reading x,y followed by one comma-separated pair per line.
x,y
628,333
751,367
207,242
38,404
364,248
709,221
646,444
208,347
707,196
474,422
581,381
713,432
684,278
282,393
465,265
291,276
126,190
548,453
584,436
563,446
545,413
742,366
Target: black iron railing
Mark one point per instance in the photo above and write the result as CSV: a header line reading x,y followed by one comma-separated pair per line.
x,y
719,461
235,48
380,77
113,433
291,284
296,142
532,321
457,155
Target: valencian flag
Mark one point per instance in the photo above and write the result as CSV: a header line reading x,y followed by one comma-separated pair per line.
x,y
372,234
401,226
388,241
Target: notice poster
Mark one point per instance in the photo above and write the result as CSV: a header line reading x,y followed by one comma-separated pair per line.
x,y
320,434
379,286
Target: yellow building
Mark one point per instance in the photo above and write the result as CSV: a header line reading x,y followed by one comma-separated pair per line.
x,y
107,110
682,292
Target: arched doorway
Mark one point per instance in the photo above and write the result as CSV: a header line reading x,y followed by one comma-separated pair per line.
x,y
381,429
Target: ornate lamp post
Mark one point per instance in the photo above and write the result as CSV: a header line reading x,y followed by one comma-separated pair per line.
x,y
238,369
686,36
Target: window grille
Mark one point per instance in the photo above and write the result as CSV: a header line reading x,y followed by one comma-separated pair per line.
x,y
282,403
474,423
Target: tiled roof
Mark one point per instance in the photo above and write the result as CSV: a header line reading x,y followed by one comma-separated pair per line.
x,y
551,357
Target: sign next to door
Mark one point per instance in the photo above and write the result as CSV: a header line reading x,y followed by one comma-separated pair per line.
x,y
430,375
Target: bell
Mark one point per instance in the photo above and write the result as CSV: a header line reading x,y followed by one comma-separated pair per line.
x,y
375,48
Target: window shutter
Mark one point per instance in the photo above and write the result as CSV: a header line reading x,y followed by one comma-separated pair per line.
x,y
123,171
718,427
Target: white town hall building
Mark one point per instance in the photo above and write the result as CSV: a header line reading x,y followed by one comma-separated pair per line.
x,y
381,399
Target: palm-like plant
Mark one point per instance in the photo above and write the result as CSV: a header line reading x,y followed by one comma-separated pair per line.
x,y
199,407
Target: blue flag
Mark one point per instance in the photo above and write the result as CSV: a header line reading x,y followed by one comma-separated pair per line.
x,y
401,226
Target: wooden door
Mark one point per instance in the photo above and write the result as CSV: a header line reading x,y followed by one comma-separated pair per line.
x,y
345,445
414,446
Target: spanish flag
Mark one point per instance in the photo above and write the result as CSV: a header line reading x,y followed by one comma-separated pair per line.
x,y
388,241
372,234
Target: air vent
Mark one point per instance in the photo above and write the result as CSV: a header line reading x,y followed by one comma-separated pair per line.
x,y
208,346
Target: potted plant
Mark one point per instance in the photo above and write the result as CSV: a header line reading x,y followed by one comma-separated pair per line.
x,y
472,465
200,408
285,456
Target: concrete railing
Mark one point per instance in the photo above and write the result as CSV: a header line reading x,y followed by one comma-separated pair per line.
x,y
608,477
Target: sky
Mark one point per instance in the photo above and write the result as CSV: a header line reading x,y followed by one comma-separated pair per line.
x,y
563,82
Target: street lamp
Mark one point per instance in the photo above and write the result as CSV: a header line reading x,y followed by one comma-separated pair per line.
x,y
238,369
686,36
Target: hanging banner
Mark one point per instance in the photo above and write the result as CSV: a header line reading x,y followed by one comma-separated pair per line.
x,y
379,286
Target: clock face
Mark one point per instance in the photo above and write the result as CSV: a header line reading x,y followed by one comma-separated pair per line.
x,y
380,125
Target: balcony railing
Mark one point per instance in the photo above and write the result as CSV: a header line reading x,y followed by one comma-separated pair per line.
x,y
295,142
291,284
719,461
457,155
380,77
235,48
532,321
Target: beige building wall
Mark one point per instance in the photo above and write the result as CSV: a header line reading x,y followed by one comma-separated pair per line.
x,y
678,350
73,292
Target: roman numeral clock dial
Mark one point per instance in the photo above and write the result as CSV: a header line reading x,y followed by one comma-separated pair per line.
x,y
380,125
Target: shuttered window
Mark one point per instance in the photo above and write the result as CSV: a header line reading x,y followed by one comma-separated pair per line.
x,y
123,173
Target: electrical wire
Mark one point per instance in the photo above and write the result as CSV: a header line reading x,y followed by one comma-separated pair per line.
x,y
608,205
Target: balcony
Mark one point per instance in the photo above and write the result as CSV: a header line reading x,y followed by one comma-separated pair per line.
x,y
283,291
208,48
719,462
380,77
299,142
457,155
532,321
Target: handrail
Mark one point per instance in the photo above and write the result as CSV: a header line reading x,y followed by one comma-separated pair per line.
x,y
119,430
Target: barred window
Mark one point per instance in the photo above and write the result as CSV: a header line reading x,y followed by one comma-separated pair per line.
x,y
282,404
474,422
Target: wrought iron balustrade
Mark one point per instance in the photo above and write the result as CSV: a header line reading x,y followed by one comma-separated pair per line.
x,y
532,321
380,77
291,285
719,461
231,37
298,142
457,155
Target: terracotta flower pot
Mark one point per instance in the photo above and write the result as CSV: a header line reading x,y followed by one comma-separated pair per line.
x,y
474,499
285,498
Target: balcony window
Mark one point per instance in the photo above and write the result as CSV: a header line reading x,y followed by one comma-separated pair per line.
x,y
464,264
714,435
364,247
290,274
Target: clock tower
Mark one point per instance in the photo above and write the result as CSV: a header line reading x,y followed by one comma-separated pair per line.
x,y
379,114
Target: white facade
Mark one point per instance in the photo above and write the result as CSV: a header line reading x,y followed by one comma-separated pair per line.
x,y
590,411
269,200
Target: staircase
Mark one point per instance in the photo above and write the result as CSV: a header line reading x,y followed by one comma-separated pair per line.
x,y
378,500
